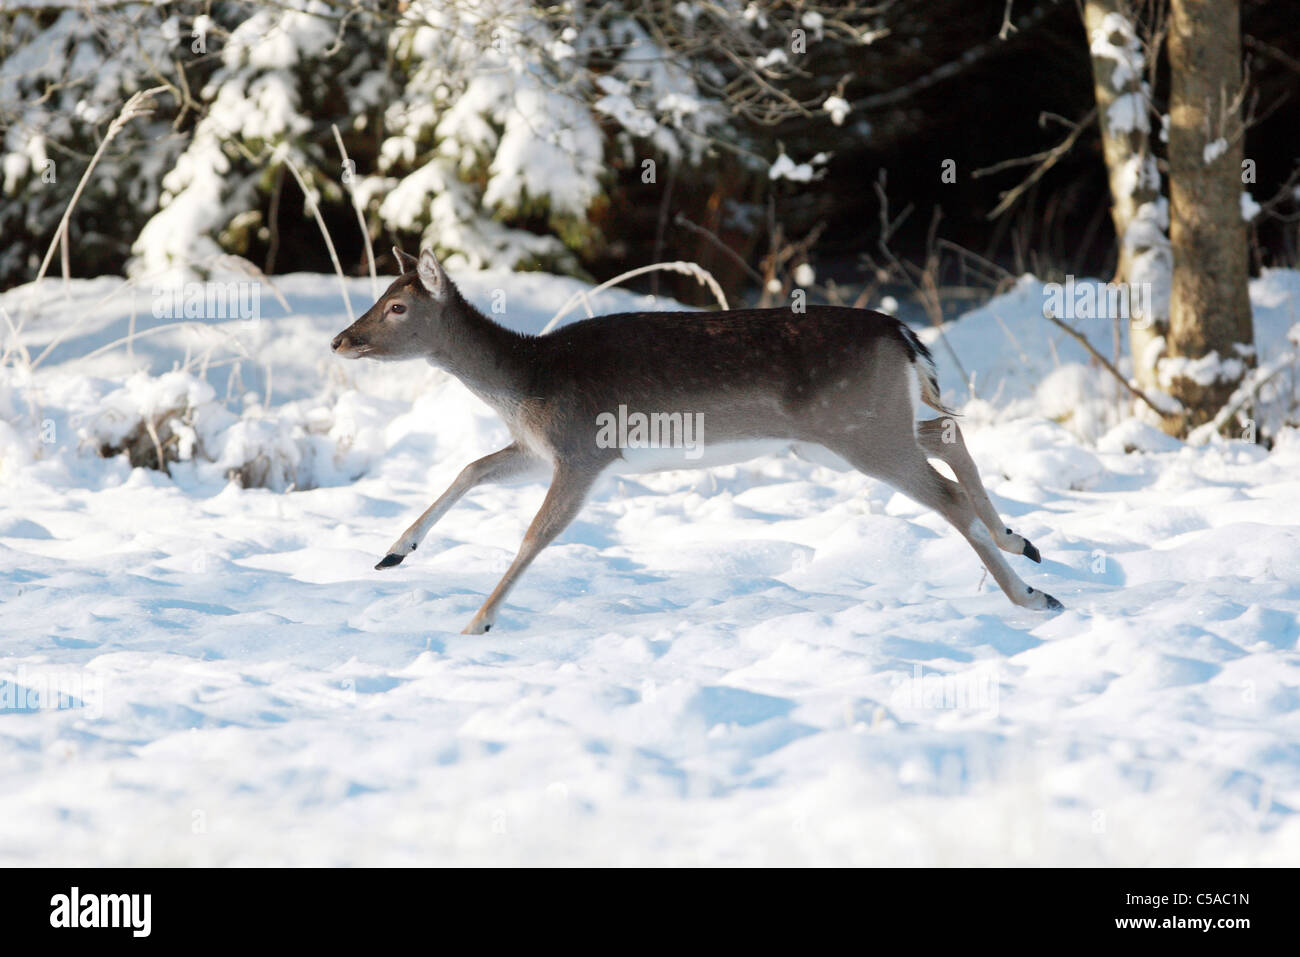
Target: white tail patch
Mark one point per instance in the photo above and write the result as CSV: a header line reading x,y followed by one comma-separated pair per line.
x,y
928,373
914,391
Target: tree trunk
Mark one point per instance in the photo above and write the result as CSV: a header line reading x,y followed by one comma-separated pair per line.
x,y
1209,310
1139,216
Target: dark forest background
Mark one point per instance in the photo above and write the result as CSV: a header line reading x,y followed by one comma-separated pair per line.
x,y
945,81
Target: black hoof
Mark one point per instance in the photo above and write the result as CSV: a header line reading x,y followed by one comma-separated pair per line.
x,y
1032,553
1053,604
389,561
486,629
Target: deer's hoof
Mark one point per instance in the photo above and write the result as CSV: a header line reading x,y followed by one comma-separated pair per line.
x,y
477,627
1032,553
1041,601
388,561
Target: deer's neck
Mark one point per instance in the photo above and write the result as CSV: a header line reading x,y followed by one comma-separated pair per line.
x,y
491,360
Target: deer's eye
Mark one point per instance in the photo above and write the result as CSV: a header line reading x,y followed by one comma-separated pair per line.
x,y
396,308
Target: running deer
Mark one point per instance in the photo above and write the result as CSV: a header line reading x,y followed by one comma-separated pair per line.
x,y
844,380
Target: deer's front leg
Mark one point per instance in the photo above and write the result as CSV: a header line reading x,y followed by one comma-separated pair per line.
x,y
510,462
563,501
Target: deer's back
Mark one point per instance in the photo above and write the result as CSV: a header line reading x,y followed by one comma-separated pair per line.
x,y
716,352
752,372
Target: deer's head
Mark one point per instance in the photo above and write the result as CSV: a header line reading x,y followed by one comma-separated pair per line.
x,y
409,319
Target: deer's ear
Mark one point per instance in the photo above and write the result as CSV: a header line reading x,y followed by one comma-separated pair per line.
x,y
432,277
405,261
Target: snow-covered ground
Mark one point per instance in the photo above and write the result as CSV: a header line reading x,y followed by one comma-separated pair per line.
x,y
768,663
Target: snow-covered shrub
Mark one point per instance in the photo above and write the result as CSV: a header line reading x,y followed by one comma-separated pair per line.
x,y
160,421
488,129
478,115
62,81
271,89
151,420
267,453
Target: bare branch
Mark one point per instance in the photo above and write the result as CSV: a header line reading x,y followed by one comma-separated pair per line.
x,y
1105,363
1046,160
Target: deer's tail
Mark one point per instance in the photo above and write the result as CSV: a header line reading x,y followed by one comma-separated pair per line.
x,y
926,371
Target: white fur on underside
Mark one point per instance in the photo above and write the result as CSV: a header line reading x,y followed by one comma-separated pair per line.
x,y
914,392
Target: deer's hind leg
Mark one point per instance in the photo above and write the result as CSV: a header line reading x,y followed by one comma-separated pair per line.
x,y
942,439
902,463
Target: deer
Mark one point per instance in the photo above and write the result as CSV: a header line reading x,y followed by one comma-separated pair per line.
x,y
831,379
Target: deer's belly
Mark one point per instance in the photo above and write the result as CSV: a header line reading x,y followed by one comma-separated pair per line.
x,y
711,454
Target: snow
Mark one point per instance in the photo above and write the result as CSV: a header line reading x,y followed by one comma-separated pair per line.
x,y
551,147
1204,371
620,106
785,168
1128,113
757,664
838,108
1147,239
1116,40
1139,172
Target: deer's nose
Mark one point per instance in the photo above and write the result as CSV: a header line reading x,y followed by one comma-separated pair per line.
x,y
338,341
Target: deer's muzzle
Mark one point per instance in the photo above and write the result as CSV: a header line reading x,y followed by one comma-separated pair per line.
x,y
348,346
